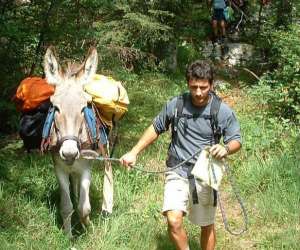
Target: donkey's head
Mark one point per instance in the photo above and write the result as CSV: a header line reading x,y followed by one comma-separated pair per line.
x,y
69,99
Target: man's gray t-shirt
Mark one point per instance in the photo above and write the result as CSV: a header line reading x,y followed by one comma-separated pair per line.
x,y
197,132
219,4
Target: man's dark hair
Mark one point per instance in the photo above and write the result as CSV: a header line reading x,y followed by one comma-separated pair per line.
x,y
200,70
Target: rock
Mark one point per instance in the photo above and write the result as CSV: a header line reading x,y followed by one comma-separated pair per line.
x,y
234,53
239,53
221,85
207,49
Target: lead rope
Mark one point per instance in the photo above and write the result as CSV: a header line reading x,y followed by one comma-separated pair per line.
x,y
95,156
237,196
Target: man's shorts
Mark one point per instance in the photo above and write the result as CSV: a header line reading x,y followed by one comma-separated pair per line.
x,y
178,197
218,15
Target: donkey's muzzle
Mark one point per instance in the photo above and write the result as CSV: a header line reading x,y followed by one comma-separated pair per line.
x,y
69,150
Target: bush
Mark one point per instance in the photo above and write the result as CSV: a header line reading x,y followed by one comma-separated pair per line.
x,y
280,89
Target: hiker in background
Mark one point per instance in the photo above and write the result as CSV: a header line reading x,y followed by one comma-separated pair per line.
x,y
218,21
190,117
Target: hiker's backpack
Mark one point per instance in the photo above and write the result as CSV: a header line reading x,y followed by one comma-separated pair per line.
x,y
213,116
110,98
228,14
32,99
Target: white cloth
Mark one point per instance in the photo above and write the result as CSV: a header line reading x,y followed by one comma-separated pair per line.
x,y
206,167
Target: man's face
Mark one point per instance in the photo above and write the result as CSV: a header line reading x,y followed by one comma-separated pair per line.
x,y
199,90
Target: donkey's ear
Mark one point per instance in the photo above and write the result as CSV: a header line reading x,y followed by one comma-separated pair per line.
x,y
89,66
51,67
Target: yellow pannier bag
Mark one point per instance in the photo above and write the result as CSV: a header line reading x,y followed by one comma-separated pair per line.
x,y
109,96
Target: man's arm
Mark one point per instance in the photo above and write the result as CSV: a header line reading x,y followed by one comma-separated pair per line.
x,y
147,138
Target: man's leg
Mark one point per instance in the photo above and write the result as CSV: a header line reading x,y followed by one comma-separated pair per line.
x,y
223,28
215,29
176,231
208,237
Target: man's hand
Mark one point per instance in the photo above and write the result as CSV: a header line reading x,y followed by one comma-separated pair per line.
x,y
218,151
128,159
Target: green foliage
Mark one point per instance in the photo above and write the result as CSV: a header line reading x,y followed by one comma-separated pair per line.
x,y
187,53
10,119
279,89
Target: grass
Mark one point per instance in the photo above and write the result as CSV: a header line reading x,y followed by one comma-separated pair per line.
x,y
267,173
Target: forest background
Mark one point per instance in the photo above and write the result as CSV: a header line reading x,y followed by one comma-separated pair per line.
x,y
147,45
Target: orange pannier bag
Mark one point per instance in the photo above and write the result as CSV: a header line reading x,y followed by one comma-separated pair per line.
x,y
31,92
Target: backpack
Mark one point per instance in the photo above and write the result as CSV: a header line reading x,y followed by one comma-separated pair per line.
x,y
31,126
228,14
213,116
110,98
32,99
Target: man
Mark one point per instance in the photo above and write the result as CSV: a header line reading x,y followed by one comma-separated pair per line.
x,y
218,18
191,134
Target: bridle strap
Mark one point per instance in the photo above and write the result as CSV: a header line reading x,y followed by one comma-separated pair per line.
x,y
69,137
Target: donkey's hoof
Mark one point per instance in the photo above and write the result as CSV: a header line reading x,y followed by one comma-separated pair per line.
x,y
85,221
105,214
69,235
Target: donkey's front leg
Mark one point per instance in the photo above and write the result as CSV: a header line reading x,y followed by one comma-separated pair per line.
x,y
66,206
84,205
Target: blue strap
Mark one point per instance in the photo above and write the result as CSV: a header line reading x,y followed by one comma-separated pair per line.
x,y
48,123
91,121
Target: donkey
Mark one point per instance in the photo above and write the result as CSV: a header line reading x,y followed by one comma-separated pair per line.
x,y
69,132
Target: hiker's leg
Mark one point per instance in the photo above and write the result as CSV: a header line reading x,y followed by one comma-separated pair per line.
x,y
176,231
215,29
176,196
208,237
223,28
203,214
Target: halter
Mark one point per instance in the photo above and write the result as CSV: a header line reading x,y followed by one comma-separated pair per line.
x,y
49,124
69,137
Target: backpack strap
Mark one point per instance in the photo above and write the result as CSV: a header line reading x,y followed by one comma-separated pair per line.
x,y
177,114
90,119
214,111
47,128
216,130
